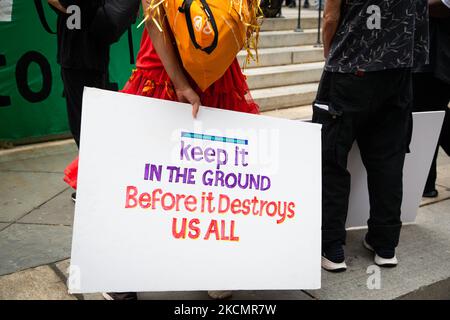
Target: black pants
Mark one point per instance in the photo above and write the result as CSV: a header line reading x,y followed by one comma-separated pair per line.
x,y
432,94
373,109
74,82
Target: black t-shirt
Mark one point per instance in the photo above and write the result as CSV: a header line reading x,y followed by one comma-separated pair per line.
x,y
439,63
79,48
401,41
440,48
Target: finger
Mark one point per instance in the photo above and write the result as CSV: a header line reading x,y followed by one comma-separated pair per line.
x,y
195,108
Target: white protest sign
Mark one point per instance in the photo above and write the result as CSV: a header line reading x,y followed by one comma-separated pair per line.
x,y
426,129
168,203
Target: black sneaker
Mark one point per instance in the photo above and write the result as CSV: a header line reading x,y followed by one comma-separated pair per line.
x,y
430,194
125,296
383,257
74,197
333,258
306,5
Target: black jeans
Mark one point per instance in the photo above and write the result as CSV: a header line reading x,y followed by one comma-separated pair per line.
x,y
74,81
375,110
432,94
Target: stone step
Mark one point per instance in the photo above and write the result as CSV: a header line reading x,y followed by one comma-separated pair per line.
x,y
284,97
282,56
293,113
267,77
287,38
288,23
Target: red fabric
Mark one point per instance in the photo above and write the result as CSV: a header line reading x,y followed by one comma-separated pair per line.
x,y
71,173
147,57
151,79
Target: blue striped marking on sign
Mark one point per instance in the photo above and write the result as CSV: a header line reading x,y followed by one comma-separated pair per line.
x,y
200,136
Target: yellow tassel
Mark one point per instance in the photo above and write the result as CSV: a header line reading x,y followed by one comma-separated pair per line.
x,y
251,15
153,12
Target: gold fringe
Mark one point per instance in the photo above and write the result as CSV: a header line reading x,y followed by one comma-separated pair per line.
x,y
153,12
251,15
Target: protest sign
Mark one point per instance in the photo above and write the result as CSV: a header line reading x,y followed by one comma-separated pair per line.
x,y
168,203
426,129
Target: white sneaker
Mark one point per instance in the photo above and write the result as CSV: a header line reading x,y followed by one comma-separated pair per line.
x,y
106,296
333,266
333,258
220,295
380,261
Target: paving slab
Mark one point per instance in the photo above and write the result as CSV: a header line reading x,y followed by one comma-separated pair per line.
x,y
58,211
40,283
443,176
38,150
271,295
424,259
443,194
443,158
46,163
435,291
21,192
24,246
62,268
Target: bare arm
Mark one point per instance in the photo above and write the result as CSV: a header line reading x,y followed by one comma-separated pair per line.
x,y
438,9
169,58
57,5
331,18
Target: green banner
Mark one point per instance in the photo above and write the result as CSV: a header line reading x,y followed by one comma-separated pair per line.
x,y
31,91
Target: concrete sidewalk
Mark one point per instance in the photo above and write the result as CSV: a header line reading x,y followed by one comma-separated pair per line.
x,y
36,215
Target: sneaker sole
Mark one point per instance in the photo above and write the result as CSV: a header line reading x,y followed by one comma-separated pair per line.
x,y
386,263
333,266
379,261
220,294
107,296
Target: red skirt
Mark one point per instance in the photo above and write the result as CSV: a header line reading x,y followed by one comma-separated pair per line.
x,y
229,92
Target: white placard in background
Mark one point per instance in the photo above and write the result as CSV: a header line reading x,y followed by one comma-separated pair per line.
x,y
426,129
116,249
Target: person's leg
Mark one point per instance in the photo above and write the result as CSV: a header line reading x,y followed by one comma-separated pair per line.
x,y
430,185
383,147
74,83
339,108
73,91
444,139
444,101
335,177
